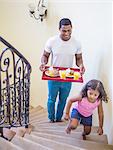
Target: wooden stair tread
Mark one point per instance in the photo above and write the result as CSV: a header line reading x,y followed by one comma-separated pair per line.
x,y
8,133
51,136
20,131
91,137
47,123
28,144
38,108
60,128
6,145
51,144
37,111
36,121
31,107
89,145
42,115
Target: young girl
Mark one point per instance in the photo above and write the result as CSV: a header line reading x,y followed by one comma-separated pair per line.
x,y
90,98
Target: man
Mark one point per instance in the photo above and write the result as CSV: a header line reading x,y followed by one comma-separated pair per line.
x,y
63,48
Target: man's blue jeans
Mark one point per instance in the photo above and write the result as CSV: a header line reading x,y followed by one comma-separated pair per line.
x,y
62,89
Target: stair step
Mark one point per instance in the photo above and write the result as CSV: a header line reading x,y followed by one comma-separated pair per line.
x,y
51,144
6,145
47,123
42,116
21,131
31,107
28,144
39,120
75,142
38,113
52,136
38,108
60,128
37,116
91,137
61,125
29,129
8,133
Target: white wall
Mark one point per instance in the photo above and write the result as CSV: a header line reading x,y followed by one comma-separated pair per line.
x,y
91,25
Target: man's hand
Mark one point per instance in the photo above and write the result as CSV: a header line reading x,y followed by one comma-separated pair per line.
x,y
42,67
82,69
100,131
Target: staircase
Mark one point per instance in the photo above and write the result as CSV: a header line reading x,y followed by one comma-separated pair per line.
x,y
42,135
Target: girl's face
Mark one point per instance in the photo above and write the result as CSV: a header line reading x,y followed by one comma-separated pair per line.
x,y
92,95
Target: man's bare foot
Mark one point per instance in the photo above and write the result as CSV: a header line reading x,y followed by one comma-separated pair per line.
x,y
59,120
68,130
51,121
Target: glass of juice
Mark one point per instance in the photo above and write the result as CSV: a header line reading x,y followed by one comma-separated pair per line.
x,y
62,74
76,75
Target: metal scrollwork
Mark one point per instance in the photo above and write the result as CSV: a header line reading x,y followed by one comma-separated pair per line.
x,y
15,73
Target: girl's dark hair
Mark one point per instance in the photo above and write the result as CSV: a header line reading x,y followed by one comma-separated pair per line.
x,y
95,85
65,21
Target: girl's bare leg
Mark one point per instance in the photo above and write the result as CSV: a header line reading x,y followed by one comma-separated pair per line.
x,y
87,130
72,125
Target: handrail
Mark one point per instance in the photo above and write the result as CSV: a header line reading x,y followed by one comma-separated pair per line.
x,y
15,50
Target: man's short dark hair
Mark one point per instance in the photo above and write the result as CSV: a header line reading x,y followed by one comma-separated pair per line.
x,y
65,21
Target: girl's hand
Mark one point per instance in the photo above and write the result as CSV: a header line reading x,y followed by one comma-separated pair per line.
x,y
100,131
66,117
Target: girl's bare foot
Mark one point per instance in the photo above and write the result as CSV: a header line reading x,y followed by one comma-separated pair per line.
x,y
68,130
84,136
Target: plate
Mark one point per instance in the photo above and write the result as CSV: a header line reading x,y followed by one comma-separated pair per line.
x,y
51,75
69,76
72,75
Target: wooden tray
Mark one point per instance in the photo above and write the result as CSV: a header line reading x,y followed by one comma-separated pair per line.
x,y
57,78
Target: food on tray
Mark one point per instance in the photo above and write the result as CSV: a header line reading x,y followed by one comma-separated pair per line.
x,y
69,73
72,74
62,74
77,75
52,72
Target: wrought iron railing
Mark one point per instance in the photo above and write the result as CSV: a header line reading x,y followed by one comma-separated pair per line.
x,y
14,87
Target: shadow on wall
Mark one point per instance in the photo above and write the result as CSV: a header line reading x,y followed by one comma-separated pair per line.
x,y
110,136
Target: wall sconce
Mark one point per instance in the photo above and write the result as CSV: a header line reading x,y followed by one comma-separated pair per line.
x,y
39,12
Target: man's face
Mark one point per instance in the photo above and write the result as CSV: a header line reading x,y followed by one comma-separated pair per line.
x,y
65,32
